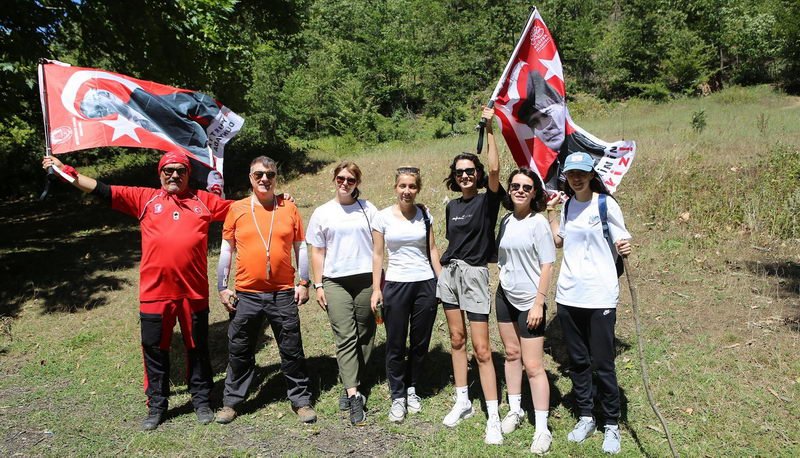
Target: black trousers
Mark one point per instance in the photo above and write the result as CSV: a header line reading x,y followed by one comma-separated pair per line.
x,y
589,336
253,309
413,305
157,322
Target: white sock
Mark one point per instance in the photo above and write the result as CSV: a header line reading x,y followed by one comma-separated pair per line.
x,y
491,409
612,427
411,390
462,395
591,419
514,402
541,420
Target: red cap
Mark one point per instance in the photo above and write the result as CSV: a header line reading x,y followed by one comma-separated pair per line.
x,y
174,157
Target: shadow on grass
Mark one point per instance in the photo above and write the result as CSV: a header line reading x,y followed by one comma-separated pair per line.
x,y
788,275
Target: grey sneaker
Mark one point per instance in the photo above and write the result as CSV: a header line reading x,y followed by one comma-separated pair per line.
x,y
153,419
511,421
611,440
413,402
306,414
358,417
398,411
457,413
582,430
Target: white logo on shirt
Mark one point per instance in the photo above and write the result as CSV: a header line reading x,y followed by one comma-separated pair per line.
x,y
197,210
158,208
606,312
176,216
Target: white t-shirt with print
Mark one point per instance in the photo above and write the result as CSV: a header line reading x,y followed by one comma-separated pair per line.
x,y
405,242
344,232
588,276
525,245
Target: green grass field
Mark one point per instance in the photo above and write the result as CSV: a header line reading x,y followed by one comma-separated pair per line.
x,y
713,212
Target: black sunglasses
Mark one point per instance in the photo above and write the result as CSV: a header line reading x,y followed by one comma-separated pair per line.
x,y
408,170
169,171
525,187
340,180
470,171
259,174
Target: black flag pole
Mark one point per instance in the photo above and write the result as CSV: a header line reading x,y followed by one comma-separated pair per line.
x,y
481,127
46,116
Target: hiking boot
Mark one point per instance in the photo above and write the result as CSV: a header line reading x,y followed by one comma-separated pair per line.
x,y
153,419
583,429
413,402
611,440
397,413
494,431
512,421
541,442
358,417
204,415
225,415
344,401
460,411
306,414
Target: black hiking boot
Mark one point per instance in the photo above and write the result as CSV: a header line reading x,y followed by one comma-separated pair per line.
x,y
154,418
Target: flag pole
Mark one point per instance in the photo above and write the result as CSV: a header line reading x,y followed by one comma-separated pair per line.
x,y
46,116
482,124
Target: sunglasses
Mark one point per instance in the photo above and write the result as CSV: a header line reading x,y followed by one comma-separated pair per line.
x,y
340,180
470,171
401,170
259,174
526,188
169,171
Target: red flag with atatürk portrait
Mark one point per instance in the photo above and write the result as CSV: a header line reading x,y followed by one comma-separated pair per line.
x,y
90,108
530,104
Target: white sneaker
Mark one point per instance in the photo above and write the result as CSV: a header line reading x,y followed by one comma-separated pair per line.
x,y
413,402
457,413
582,430
511,421
397,413
494,433
611,440
541,442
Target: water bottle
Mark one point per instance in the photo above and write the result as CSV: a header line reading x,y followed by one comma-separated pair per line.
x,y
379,313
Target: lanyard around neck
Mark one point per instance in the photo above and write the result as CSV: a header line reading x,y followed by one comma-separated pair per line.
x,y
267,243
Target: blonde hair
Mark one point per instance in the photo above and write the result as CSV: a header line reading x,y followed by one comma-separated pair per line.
x,y
411,171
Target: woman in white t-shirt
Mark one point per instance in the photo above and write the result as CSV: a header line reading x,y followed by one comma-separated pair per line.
x,y
588,291
340,236
409,294
525,257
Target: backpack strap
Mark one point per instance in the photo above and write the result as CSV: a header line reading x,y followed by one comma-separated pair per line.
x,y
502,229
602,206
427,233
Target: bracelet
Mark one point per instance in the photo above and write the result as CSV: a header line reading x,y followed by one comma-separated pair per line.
x,y
543,294
318,285
303,283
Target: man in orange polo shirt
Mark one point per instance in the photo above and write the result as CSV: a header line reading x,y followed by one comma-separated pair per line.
x,y
263,229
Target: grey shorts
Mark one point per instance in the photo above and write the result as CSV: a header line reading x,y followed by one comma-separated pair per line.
x,y
464,285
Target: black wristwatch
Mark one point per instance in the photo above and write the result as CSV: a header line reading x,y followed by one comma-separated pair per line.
x,y
303,283
318,285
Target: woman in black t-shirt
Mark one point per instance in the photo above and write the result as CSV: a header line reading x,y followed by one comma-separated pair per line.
x,y
463,285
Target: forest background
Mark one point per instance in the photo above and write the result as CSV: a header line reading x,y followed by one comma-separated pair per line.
x,y
343,74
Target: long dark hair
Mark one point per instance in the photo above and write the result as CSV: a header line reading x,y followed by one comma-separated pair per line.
x,y
481,180
539,200
596,185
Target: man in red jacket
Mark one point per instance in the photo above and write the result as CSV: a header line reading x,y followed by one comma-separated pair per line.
x,y
173,280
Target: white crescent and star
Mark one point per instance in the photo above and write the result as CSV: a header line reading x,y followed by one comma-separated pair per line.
x,y
122,127
553,67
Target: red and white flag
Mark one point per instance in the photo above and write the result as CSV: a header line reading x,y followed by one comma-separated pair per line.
x,y
90,108
530,103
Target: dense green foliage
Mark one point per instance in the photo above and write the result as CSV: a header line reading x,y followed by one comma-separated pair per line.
x,y
306,69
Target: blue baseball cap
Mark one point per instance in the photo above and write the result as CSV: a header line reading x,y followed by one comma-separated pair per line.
x,y
579,161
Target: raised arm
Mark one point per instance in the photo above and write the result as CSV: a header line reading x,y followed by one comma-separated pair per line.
x,y
82,182
493,159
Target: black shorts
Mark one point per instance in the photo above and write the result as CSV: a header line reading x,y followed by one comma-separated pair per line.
x,y
507,313
478,317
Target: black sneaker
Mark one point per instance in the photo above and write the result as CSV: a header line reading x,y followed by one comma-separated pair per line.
x,y
344,401
154,418
204,415
358,417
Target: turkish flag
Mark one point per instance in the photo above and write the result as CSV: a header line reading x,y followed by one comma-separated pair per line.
x,y
530,105
90,108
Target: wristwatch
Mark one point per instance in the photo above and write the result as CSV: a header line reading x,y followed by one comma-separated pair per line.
x,y
318,285
303,283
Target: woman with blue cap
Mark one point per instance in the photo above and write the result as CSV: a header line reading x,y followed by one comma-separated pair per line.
x,y
592,232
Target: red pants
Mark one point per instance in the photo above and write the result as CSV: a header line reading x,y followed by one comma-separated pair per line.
x,y
157,322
